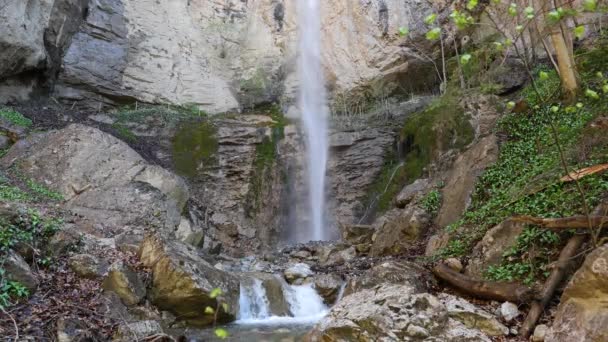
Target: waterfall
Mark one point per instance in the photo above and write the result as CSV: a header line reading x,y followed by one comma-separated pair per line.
x,y
314,113
305,304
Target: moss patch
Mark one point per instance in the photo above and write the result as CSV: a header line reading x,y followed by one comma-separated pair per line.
x,y
193,144
14,117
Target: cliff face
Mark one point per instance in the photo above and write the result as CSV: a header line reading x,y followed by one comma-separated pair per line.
x,y
220,55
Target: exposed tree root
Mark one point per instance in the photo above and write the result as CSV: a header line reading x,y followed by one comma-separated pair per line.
x,y
503,291
562,267
573,222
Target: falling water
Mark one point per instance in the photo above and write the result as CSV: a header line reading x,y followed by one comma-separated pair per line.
x,y
314,112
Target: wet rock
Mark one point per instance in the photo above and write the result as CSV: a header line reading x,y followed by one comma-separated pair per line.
x,y
274,288
398,230
581,314
182,282
509,311
391,312
357,234
328,287
412,192
472,316
135,331
490,249
125,282
391,272
87,266
297,271
18,270
540,332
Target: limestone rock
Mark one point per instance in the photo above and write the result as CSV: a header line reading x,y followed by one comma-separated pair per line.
x,y
391,312
187,233
454,264
340,257
101,177
398,229
540,332
490,249
391,272
436,243
509,311
472,316
87,266
273,286
182,282
328,287
127,332
412,192
357,234
581,314
297,271
125,282
18,270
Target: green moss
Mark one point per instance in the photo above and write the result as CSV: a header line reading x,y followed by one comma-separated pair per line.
x,y
14,117
193,144
124,132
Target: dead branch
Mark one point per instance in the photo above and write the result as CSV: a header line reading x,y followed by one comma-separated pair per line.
x,y
502,291
14,323
578,174
562,266
573,222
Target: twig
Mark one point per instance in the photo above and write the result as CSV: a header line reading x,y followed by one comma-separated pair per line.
x,y
14,323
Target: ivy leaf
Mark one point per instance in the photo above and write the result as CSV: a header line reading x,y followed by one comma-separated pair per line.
x,y
209,311
404,31
472,4
543,75
215,293
430,19
590,5
579,31
512,10
592,94
529,11
464,59
433,34
221,333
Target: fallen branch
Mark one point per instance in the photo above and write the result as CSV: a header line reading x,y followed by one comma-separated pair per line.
x,y
573,222
14,323
502,291
563,264
578,174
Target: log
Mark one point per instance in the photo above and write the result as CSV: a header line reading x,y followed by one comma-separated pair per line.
x,y
502,291
573,222
564,263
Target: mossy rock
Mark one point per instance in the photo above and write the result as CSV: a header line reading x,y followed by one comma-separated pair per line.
x,y
194,143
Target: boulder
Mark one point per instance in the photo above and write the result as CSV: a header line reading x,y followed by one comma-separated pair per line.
x,y
540,333
182,282
582,314
87,266
472,316
357,234
101,178
125,282
490,249
391,272
454,264
136,331
509,311
510,74
187,233
391,312
340,257
18,270
436,243
297,271
398,230
412,192
328,286
274,287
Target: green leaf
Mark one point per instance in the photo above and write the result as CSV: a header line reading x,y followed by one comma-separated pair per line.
x,y
209,311
430,19
508,42
433,34
404,31
543,76
499,46
464,59
592,94
472,4
529,11
215,293
225,307
556,15
555,109
590,5
512,10
579,105
221,333
599,74
510,105
519,28
605,88
579,31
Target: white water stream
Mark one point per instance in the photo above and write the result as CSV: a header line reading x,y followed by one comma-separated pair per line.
x,y
314,114
305,305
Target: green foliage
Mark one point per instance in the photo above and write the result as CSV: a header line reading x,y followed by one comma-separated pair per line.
x,y
10,290
124,132
195,143
432,202
14,117
43,192
10,193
